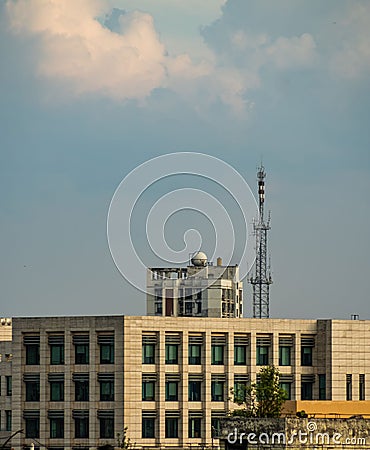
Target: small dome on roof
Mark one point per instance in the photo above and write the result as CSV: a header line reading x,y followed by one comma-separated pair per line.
x,y
199,259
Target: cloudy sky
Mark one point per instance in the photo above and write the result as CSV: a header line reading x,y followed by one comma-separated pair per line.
x,y
91,89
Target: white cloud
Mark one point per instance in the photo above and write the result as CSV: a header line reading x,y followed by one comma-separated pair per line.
x,y
204,85
242,41
257,50
76,47
286,53
352,58
132,61
128,63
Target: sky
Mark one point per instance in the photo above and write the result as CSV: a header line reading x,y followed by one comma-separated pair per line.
x,y
92,89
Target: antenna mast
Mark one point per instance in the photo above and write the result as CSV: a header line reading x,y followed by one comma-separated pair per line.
x,y
261,279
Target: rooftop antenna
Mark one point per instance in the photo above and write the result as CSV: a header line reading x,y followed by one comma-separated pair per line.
x,y
261,279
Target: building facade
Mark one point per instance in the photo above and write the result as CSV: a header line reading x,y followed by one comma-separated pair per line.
x,y
76,382
67,381
6,378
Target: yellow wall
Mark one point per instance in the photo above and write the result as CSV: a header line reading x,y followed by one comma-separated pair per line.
x,y
328,408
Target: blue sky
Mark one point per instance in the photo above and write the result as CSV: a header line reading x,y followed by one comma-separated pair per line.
x,y
91,89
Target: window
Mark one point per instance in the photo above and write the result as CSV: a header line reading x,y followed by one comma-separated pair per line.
x,y
56,344
148,427
189,308
215,426
322,387
148,353
172,427
239,392
240,355
287,388
198,307
171,391
32,391
106,354
56,428
186,303
82,353
195,424
284,356
172,351
194,391
56,354
106,343
8,385
195,354
107,427
228,307
32,427
158,308
82,390
348,387
8,421
158,302
217,356
361,387
106,390
180,307
33,354
306,356
56,391
148,390
262,356
82,427
306,390
217,391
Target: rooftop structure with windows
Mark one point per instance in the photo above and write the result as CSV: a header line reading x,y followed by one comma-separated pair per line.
x,y
199,290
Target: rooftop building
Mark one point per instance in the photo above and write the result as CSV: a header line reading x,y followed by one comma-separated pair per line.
x,y
198,290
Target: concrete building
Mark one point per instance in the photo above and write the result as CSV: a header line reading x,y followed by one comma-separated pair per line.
x,y
198,290
78,381
6,378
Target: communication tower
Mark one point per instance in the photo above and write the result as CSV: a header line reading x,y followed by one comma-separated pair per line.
x,y
261,278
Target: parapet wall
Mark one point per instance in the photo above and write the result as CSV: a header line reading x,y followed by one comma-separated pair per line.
x,y
291,433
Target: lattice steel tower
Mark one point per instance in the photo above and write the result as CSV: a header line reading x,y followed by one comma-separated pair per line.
x,y
261,278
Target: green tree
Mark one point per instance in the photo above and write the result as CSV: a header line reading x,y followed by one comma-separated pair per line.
x,y
262,399
123,441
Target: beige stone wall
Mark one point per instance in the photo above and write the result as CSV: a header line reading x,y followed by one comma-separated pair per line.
x,y
5,372
350,355
5,329
253,328
340,348
6,356
66,326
